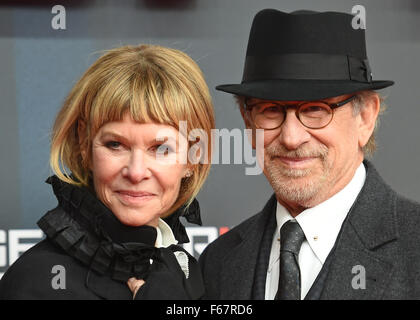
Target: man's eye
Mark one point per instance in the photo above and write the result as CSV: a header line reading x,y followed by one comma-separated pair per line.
x,y
114,145
271,111
270,107
314,108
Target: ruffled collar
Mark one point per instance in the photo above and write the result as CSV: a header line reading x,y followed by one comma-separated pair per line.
x,y
87,230
190,213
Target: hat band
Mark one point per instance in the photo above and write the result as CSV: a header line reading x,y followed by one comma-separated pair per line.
x,y
306,66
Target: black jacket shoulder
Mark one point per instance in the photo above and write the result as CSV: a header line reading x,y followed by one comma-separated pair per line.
x,y
225,243
34,275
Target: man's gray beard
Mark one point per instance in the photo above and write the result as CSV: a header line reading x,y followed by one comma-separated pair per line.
x,y
290,185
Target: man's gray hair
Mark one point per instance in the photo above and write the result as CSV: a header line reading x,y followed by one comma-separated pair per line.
x,y
359,103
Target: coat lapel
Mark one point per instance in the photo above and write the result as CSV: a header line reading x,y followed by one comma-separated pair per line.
x,y
367,234
243,258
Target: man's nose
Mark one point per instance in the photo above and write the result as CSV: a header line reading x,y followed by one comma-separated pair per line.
x,y
292,132
136,169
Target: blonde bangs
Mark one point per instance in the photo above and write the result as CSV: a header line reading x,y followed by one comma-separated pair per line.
x,y
147,97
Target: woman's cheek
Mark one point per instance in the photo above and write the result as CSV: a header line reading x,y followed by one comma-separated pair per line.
x,y
169,178
107,164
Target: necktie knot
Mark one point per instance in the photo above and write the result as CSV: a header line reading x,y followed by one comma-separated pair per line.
x,y
291,237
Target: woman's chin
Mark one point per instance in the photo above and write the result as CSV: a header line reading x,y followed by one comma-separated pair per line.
x,y
136,218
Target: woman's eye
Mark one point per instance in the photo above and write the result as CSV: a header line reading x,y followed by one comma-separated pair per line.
x,y
113,145
163,149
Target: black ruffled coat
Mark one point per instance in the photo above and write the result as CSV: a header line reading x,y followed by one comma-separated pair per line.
x,y
97,254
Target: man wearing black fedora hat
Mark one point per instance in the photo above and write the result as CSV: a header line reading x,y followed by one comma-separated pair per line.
x,y
333,229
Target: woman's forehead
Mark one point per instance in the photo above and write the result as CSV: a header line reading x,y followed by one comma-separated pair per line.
x,y
131,129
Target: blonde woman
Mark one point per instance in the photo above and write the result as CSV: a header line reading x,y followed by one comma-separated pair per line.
x,y
123,177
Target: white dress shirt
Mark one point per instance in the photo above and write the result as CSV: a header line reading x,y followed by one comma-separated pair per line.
x,y
165,238
321,225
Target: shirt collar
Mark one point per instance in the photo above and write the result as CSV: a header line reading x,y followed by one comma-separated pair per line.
x,y
322,223
165,236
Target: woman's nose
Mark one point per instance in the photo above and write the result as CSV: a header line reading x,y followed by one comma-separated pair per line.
x,y
136,168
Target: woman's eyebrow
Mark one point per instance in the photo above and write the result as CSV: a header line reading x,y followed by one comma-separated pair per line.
x,y
111,134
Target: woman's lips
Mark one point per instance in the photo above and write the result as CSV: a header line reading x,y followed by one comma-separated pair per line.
x,y
134,197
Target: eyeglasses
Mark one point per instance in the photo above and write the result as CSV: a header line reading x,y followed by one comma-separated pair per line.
x,y
270,115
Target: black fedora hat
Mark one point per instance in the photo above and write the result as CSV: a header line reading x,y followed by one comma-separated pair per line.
x,y
304,55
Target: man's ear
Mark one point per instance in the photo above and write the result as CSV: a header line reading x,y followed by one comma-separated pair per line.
x,y
245,118
368,115
249,125
83,141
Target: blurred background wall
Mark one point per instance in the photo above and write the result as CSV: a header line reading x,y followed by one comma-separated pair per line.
x,y
39,65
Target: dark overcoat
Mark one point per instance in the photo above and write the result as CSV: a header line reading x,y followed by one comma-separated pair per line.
x,y
89,254
380,237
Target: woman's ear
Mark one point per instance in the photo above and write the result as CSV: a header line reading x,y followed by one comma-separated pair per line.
x,y
188,171
368,116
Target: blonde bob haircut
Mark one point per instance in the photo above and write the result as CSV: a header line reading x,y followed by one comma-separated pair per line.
x,y
149,82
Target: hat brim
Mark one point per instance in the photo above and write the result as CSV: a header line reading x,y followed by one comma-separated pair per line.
x,y
299,90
